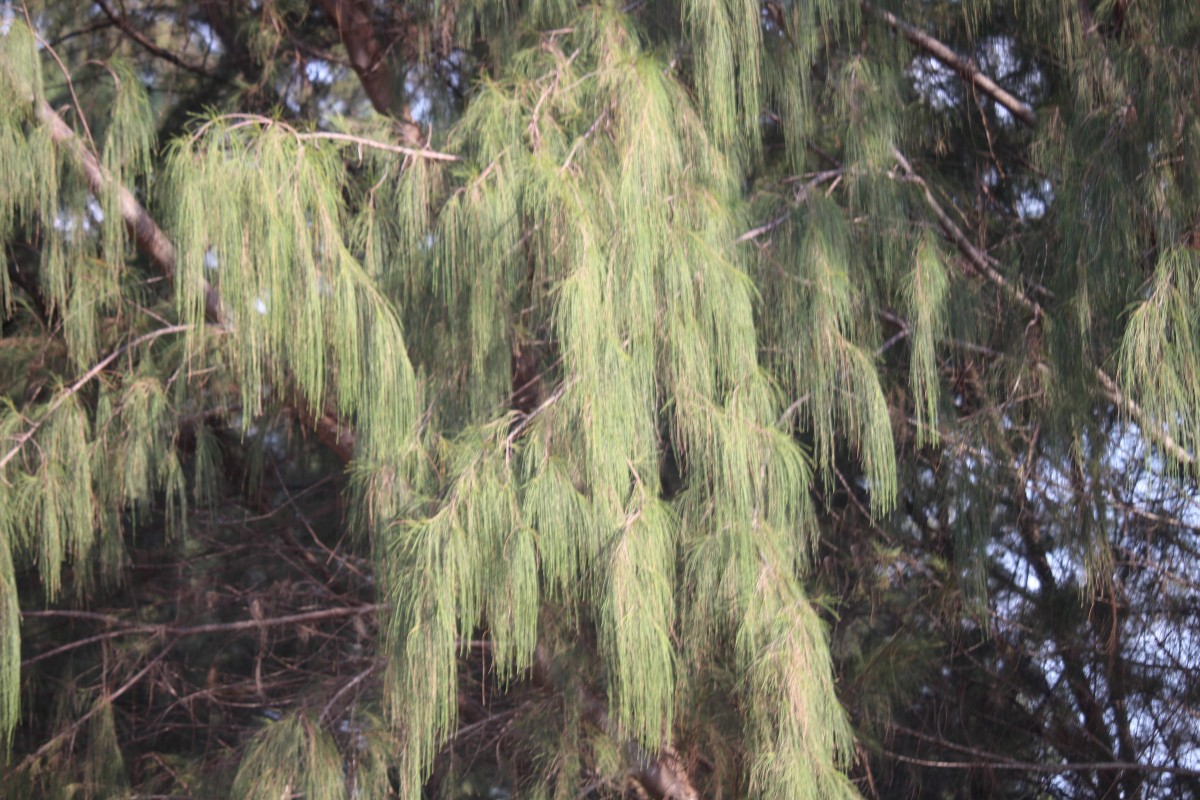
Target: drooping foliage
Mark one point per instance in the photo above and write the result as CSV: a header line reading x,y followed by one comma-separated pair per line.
x,y
601,344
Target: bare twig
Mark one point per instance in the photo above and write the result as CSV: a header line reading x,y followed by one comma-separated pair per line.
x,y
423,152
801,195
107,701
355,681
979,260
587,135
529,418
245,120
964,67
83,380
87,130
982,263
122,22
289,619
183,631
989,760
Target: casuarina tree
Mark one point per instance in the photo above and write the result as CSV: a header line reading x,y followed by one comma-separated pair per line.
x,y
551,399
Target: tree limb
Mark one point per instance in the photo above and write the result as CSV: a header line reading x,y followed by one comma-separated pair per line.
x,y
965,68
357,32
150,238
982,263
368,59
96,369
122,22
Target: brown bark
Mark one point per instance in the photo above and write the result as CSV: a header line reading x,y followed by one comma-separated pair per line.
x,y
149,238
357,32
368,58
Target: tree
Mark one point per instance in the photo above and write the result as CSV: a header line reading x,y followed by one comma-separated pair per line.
x,y
487,398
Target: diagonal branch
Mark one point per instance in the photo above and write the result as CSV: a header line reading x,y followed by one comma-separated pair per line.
x,y
99,706
150,238
83,380
965,68
357,32
122,22
982,264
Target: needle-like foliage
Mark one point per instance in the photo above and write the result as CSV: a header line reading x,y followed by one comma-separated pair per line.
x,y
589,348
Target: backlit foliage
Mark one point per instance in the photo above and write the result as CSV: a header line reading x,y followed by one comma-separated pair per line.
x,y
696,384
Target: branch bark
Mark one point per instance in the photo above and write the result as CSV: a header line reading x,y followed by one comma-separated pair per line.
x,y
367,56
150,238
357,32
965,68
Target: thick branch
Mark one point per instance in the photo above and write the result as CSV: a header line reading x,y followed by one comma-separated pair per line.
x,y
964,67
368,58
331,430
357,32
149,237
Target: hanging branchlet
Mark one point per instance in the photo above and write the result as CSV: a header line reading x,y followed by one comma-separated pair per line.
x,y
925,295
260,214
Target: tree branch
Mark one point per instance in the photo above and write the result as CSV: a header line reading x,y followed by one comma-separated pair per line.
x,y
1025,766
107,701
133,33
996,761
150,238
964,67
62,397
211,627
801,196
982,263
356,30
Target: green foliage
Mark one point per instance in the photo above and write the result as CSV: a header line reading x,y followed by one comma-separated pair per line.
x,y
260,215
10,650
292,756
925,296
686,267
1159,353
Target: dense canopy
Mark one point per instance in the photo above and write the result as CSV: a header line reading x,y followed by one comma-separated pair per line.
x,y
712,398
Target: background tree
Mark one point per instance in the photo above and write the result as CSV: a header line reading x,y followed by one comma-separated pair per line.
x,y
554,399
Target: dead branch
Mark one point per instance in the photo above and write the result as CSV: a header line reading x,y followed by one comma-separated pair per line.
x,y
965,68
